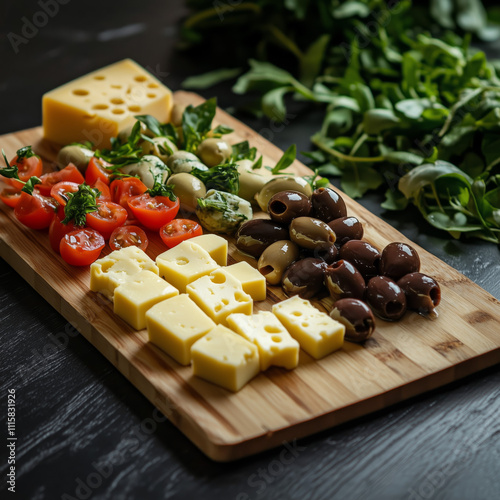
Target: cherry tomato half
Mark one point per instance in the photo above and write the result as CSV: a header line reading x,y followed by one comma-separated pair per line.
x,y
59,191
35,211
103,188
128,236
123,189
153,212
69,173
179,230
10,196
27,166
81,247
57,230
96,169
108,217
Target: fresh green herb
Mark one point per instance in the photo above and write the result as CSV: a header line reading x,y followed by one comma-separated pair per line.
x,y
224,177
197,123
285,161
243,151
257,164
158,129
161,189
30,184
83,144
80,203
12,172
221,130
24,153
211,78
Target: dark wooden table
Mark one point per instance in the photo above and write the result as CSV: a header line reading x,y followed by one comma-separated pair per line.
x,y
85,432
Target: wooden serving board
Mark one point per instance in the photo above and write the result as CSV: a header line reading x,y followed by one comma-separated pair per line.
x,y
402,359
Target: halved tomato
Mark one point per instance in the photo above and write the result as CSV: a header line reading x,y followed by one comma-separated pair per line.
x,y
103,188
69,173
107,218
10,196
81,247
179,230
28,164
123,189
59,191
35,211
128,236
57,230
96,169
153,212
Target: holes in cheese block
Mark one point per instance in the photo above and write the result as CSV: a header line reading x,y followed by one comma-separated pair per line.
x,y
272,329
240,296
80,92
140,78
153,85
305,324
181,261
151,96
117,100
100,106
224,357
218,278
116,86
118,111
225,302
99,77
297,313
106,265
275,338
134,109
217,308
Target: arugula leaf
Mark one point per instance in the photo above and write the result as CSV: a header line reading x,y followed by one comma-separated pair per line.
x,y
196,123
285,161
243,151
80,203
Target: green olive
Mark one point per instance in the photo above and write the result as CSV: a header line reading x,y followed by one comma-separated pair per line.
x,y
176,115
77,155
147,168
182,161
188,189
251,182
282,183
162,147
276,258
311,233
214,151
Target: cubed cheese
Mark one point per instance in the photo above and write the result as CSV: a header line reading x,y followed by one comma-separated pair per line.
x,y
133,298
276,346
251,280
97,106
184,264
316,332
215,245
117,268
225,358
220,295
175,324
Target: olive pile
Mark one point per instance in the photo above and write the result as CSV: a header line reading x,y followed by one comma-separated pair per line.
x,y
310,246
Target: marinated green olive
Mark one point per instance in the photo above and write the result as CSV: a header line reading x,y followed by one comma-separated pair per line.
x,y
328,204
422,292
276,258
78,155
399,259
254,236
357,318
182,161
282,183
344,281
251,182
148,168
304,277
386,298
162,147
188,189
214,151
346,228
176,114
288,205
311,233
362,255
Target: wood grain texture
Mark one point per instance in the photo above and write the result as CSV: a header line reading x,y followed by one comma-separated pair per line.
x,y
401,360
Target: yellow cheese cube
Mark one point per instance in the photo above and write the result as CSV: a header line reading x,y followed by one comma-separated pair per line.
x,y
215,245
276,346
117,268
184,264
316,332
251,280
175,324
97,106
220,295
133,298
225,358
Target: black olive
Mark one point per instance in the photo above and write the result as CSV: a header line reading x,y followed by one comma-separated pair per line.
x,y
304,277
422,292
386,298
343,280
328,204
346,228
399,259
357,318
311,233
254,236
329,254
362,255
288,205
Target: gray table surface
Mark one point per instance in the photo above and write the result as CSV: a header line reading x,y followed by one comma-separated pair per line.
x,y
85,432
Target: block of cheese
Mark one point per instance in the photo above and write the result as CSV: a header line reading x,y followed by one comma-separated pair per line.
x,y
276,346
184,264
225,358
95,107
251,280
133,298
316,332
117,268
175,324
215,245
220,295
